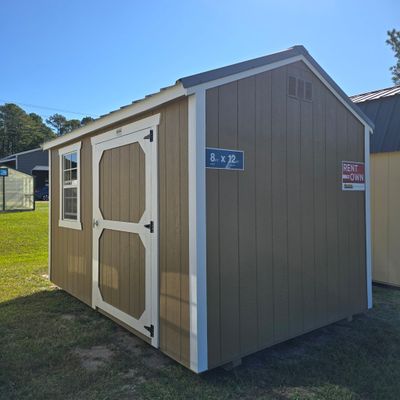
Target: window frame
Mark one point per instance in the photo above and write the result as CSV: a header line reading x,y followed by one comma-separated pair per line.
x,y
65,222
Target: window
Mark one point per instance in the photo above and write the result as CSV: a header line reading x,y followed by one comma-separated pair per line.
x,y
70,186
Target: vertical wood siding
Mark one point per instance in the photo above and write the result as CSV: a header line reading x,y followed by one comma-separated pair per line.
x,y
385,200
285,245
71,250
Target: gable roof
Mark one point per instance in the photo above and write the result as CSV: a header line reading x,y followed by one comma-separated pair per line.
x,y
192,81
298,50
383,107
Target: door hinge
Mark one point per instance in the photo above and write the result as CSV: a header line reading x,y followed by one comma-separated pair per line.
x,y
149,136
150,226
150,329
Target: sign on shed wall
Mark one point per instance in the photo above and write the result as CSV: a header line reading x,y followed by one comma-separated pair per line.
x,y
224,159
353,175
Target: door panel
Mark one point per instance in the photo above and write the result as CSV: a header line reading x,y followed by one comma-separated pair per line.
x,y
125,227
123,170
122,271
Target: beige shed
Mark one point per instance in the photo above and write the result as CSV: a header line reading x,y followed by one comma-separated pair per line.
x,y
218,216
383,107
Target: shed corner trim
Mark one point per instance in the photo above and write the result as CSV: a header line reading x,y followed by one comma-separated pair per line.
x,y
197,232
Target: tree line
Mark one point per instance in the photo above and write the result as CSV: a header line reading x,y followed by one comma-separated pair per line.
x,y
21,131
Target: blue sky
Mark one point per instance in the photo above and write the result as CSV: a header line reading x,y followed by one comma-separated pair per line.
x,y
92,56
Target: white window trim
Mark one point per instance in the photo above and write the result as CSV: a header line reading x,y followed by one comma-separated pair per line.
x,y
66,223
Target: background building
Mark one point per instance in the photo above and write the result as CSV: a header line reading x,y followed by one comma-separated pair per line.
x,y
383,108
33,162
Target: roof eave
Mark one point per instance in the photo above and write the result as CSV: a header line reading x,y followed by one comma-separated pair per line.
x,y
137,107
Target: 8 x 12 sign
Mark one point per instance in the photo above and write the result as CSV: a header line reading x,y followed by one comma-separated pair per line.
x,y
224,159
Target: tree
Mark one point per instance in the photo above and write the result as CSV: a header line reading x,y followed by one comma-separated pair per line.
x,y
57,122
20,131
62,125
394,42
86,120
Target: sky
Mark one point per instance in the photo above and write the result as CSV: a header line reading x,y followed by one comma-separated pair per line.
x,y
89,57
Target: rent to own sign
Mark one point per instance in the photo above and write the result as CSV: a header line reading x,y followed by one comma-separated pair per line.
x,y
353,175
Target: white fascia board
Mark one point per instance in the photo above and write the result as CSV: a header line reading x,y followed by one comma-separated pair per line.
x,y
141,106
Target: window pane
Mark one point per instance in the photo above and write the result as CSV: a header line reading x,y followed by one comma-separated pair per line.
x,y
67,161
70,203
67,177
74,174
74,160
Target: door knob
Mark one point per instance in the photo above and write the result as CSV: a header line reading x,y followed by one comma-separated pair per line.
x,y
95,223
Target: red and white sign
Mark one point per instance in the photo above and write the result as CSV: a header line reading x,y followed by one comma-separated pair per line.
x,y
353,175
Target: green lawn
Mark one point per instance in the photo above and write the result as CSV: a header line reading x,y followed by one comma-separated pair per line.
x,y
54,347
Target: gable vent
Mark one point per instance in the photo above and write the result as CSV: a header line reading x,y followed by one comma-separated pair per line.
x,y
299,88
292,86
308,95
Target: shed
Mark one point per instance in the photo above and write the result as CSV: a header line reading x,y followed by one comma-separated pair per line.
x,y
16,190
33,162
210,218
383,108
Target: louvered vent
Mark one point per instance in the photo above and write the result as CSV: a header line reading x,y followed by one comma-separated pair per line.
x,y
292,86
300,89
309,91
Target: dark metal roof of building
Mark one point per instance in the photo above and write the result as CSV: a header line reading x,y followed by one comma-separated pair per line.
x,y
383,107
376,94
198,79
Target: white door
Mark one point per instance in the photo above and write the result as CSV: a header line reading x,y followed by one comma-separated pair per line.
x,y
125,225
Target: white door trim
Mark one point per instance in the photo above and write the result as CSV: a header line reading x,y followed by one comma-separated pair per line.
x,y
132,133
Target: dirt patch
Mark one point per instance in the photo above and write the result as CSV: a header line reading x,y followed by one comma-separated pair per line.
x,y
68,317
94,358
130,343
151,358
155,359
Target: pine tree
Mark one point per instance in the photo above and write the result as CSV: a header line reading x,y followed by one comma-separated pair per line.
x,y
394,42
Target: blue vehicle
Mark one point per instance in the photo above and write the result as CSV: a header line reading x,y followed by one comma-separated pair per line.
x,y
42,193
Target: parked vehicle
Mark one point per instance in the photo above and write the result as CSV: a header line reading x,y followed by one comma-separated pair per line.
x,y
42,193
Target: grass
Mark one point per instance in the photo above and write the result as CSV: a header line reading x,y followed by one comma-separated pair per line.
x,y
54,347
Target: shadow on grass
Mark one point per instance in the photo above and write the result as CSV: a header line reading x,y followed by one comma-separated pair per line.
x,y
40,335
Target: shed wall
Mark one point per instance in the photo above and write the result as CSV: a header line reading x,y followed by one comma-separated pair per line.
x,y
385,200
71,250
285,245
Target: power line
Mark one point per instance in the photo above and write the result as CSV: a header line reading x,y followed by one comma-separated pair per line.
x,y
49,108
